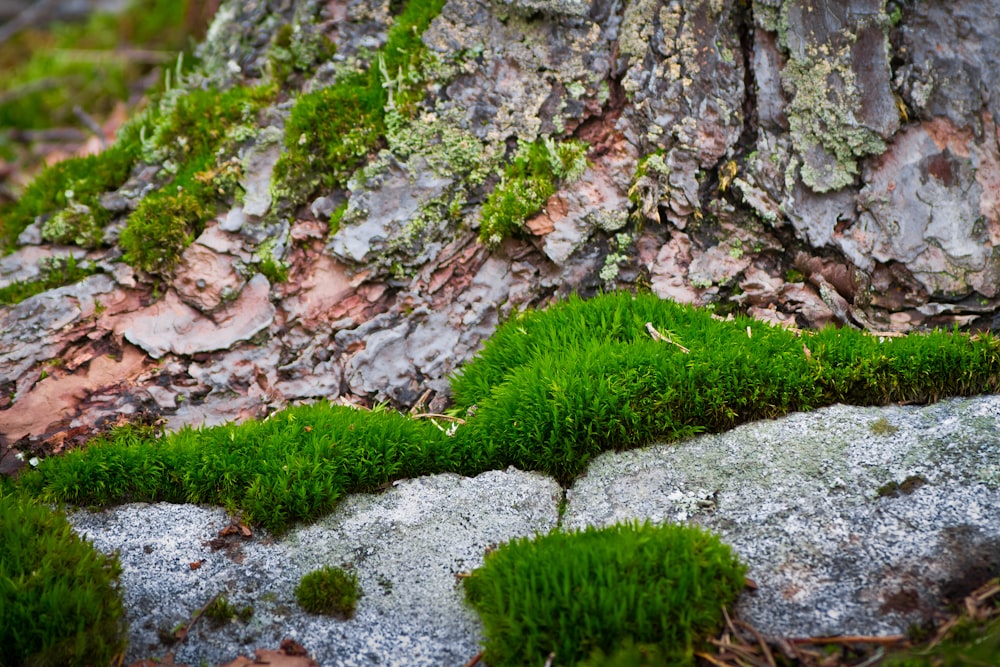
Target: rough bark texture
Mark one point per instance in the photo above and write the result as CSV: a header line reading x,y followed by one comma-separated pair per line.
x,y
810,162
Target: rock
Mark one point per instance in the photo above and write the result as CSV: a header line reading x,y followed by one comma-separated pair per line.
x,y
853,520
951,69
408,547
205,279
573,215
233,220
25,263
929,203
385,217
257,165
32,235
37,329
172,326
55,401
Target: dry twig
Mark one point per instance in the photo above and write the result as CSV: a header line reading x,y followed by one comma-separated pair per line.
x,y
657,336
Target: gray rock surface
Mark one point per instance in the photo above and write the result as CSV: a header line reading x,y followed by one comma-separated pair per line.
x,y
852,520
407,546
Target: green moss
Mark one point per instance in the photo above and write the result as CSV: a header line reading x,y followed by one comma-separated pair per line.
x,y
161,227
295,49
295,466
554,389
331,591
275,270
55,272
331,131
972,642
551,391
526,184
602,591
189,130
894,489
78,181
882,426
60,603
328,136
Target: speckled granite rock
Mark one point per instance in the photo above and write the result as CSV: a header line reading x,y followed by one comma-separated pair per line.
x,y
852,520
407,546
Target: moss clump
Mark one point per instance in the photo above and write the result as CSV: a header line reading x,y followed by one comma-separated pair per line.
x,y
55,272
331,591
59,598
296,50
161,227
527,183
553,389
894,489
328,136
881,426
600,590
331,131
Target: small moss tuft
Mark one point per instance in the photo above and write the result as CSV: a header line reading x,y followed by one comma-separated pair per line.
x,y
895,489
603,590
527,183
221,611
55,272
329,590
881,426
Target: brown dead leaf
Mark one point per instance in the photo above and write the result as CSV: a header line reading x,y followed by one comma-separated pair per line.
x,y
194,565
292,647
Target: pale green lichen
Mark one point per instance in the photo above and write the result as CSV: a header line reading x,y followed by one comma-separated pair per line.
x,y
822,88
609,221
636,29
75,224
443,145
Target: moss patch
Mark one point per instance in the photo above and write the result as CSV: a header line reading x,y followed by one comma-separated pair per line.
x,y
329,590
59,598
527,183
331,131
221,611
188,134
78,181
601,591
